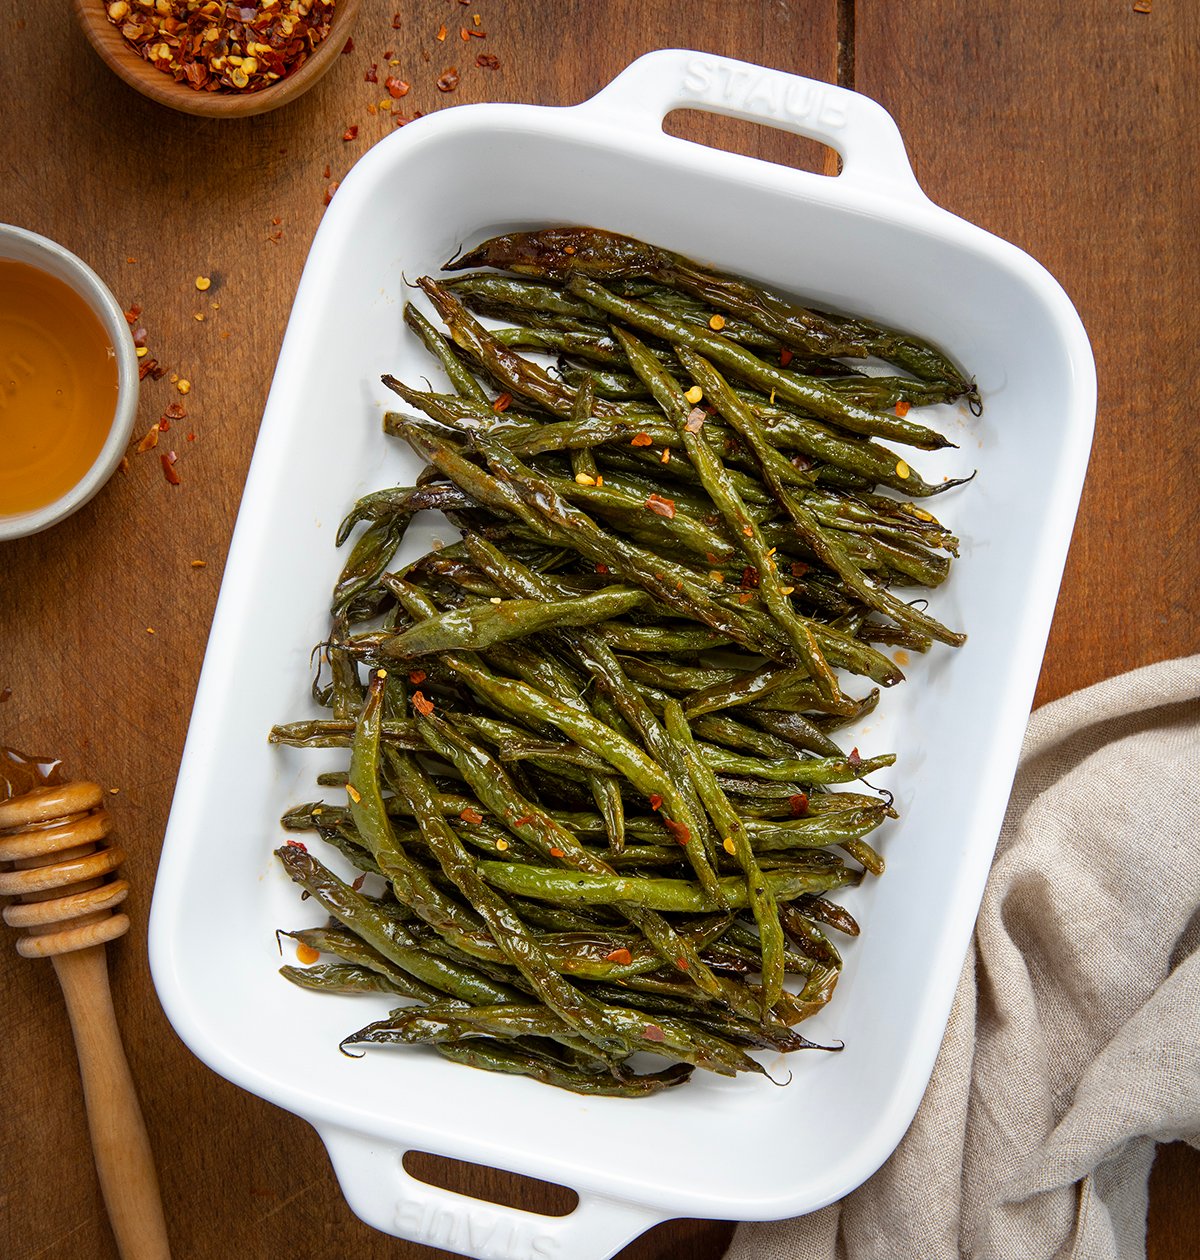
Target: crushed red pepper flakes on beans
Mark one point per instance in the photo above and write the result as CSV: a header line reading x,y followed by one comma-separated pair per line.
x,y
502,403
417,677
653,1033
524,820
471,816
298,844
358,883
660,506
903,407
678,830
214,47
556,852
422,703
655,800
622,956
641,439
695,420
785,357
798,804
854,760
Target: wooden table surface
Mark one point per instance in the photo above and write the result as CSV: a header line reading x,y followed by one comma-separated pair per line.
x,y
1067,129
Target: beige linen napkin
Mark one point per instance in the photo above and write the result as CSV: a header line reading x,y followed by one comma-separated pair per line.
x,y
1074,1041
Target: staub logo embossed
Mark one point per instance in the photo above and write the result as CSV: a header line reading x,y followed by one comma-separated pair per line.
x,y
476,1230
762,92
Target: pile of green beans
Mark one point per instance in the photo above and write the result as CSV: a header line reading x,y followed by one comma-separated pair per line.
x,y
593,778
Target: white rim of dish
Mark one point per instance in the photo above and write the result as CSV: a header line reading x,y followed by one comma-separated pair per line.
x,y
19,245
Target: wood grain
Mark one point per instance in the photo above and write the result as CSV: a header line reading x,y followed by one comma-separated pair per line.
x,y
1067,135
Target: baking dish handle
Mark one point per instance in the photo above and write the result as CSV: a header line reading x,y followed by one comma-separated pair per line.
x,y
387,1197
858,128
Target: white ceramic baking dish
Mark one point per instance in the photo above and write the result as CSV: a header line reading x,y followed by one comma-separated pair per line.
x,y
867,240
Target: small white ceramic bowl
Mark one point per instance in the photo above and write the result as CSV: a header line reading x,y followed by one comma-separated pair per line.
x,y
46,255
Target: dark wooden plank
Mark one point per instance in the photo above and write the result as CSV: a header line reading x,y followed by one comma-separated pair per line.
x,y
1068,130
86,161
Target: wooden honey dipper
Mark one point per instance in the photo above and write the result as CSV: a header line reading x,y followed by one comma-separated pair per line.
x,y
54,859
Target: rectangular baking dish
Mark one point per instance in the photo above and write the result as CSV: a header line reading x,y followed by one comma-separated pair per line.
x,y
867,240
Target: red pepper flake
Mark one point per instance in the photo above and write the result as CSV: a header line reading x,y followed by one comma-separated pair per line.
x,y
903,407
351,133
349,48
502,403
749,578
358,883
622,956
337,183
5,695
556,852
150,441
422,704
441,35
417,677
298,844
124,464
660,506
665,457
397,22
802,462
798,804
745,597
799,568
191,437
448,79
372,75
602,568
168,467
328,172
655,801
641,439
396,87
524,820
132,315
164,424
488,61
681,963
854,760
175,411
402,120
695,420
472,816
785,357
653,1033
678,830
148,367
468,33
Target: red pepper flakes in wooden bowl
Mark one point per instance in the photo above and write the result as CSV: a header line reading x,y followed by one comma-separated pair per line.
x,y
217,59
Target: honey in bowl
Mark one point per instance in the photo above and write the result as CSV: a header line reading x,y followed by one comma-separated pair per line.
x,y
58,387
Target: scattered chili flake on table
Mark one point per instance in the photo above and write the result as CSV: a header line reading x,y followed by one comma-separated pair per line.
x,y
168,466
149,441
337,183
215,47
372,75
441,35
1141,6
488,61
396,87
348,47
448,79
351,133
199,564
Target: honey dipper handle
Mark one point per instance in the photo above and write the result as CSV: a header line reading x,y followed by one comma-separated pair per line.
x,y
119,1141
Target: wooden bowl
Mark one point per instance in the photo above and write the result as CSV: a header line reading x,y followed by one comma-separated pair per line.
x,y
120,56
